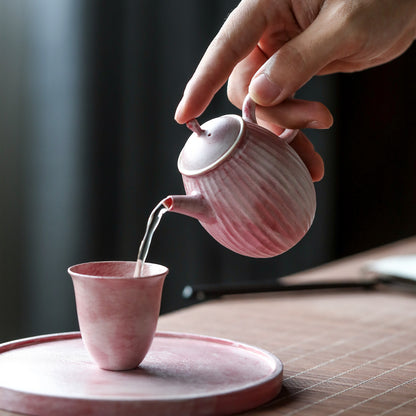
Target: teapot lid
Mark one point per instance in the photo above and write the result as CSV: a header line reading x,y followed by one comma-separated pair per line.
x,y
210,144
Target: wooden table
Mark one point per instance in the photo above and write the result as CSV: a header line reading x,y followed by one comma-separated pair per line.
x,y
345,352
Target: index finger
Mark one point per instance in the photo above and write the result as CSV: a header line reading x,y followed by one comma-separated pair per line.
x,y
235,40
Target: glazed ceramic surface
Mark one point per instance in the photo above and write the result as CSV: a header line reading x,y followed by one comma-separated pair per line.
x,y
182,374
248,188
117,313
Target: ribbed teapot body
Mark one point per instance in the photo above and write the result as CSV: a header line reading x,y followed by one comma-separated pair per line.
x,y
262,196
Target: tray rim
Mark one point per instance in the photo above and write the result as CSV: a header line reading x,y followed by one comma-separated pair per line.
x,y
275,376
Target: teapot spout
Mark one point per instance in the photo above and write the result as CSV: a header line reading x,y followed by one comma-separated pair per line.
x,y
193,205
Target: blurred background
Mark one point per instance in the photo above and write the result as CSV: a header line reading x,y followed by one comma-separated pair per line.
x,y
88,146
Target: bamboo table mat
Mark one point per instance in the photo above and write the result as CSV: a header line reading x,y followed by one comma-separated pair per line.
x,y
345,352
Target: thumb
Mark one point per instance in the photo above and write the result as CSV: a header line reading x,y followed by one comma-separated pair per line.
x,y
295,63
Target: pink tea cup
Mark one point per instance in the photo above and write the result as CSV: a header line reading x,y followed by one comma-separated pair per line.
x,y
117,313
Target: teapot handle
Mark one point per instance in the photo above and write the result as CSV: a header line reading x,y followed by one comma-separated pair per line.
x,y
249,110
249,114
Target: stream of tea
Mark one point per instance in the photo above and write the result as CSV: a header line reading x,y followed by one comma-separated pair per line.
x,y
152,223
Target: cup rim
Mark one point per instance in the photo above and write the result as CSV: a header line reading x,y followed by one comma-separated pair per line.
x,y
161,270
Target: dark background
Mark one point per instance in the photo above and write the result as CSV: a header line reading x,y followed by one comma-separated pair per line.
x,y
88,146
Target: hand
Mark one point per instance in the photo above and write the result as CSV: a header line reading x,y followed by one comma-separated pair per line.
x,y
270,48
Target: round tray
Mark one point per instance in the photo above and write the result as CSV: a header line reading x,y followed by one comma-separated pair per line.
x,y
182,374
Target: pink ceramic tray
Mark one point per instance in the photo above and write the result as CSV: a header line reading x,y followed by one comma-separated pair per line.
x,y
182,374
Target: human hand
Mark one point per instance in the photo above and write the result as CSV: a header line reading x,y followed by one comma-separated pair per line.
x,y
270,48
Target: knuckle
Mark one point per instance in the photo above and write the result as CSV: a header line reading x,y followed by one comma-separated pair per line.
x,y
351,27
234,94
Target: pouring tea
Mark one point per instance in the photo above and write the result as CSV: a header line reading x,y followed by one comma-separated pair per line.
x,y
247,187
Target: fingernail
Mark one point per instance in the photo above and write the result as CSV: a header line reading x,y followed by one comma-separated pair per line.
x,y
316,125
178,112
263,90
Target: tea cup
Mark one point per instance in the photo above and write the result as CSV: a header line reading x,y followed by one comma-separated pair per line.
x,y
117,313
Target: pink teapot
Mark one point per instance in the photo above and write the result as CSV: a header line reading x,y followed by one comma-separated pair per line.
x,y
247,187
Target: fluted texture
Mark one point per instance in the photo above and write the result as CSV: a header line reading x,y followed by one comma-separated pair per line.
x,y
263,196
